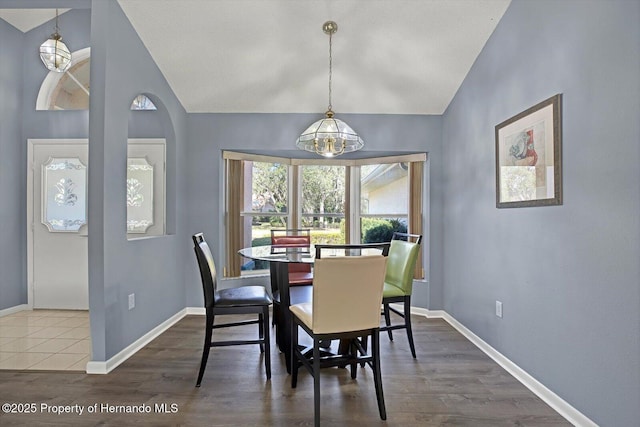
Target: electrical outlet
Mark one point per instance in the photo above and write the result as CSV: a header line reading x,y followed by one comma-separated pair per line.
x,y
499,309
132,301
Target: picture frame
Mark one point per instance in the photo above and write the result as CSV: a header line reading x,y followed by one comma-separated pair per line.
x,y
529,157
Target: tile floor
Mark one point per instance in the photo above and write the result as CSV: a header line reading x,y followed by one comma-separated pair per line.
x,y
45,340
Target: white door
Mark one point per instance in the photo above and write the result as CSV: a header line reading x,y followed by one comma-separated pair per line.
x,y
59,225
57,181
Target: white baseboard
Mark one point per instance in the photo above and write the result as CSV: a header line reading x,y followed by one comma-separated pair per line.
x,y
14,309
130,350
198,311
570,413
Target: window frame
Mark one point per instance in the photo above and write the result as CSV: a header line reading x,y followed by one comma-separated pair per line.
x,y
352,211
52,80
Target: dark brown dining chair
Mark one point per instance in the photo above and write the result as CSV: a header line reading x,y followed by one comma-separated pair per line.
x,y
242,300
398,283
347,293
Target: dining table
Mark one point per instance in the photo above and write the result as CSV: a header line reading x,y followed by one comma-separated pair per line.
x,y
285,295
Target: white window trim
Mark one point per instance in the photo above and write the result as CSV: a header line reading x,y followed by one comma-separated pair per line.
x,y
373,160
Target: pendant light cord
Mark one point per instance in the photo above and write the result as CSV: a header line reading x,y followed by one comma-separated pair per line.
x,y
330,67
56,28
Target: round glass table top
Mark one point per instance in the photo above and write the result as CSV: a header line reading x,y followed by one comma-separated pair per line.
x,y
267,253
304,255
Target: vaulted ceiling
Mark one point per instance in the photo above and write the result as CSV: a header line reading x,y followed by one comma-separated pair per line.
x,y
271,56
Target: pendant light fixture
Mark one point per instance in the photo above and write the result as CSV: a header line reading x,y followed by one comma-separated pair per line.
x,y
54,53
329,137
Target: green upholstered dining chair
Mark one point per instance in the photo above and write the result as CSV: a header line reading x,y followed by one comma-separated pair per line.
x,y
398,283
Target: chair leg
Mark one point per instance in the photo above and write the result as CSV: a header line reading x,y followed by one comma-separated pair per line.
x,y
387,320
261,331
316,382
294,358
276,309
365,345
407,324
206,348
264,327
377,376
353,350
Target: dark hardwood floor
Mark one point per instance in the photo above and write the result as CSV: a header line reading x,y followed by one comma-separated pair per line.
x,y
451,383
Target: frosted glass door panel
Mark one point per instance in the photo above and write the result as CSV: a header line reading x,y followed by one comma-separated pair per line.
x,y
145,188
139,195
64,204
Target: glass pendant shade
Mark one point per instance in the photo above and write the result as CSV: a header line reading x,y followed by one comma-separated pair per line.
x,y
55,55
329,137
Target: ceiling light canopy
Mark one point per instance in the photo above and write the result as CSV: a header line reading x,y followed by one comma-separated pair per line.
x,y
329,137
54,53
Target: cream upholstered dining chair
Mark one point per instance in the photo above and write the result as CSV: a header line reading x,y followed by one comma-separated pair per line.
x,y
347,293
242,300
398,283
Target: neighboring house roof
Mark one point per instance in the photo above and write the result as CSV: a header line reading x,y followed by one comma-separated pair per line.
x,y
383,175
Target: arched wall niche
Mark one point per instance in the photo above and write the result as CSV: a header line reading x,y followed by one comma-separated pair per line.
x,y
157,125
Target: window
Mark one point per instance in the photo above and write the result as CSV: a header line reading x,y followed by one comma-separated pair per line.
x,y
384,201
143,103
340,201
69,90
323,202
264,205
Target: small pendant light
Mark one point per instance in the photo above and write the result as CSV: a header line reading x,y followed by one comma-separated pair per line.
x,y
54,53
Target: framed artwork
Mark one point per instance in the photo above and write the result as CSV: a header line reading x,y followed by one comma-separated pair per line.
x,y
529,157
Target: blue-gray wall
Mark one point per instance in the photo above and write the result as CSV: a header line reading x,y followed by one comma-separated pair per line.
x,y
153,268
568,275
209,134
12,171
